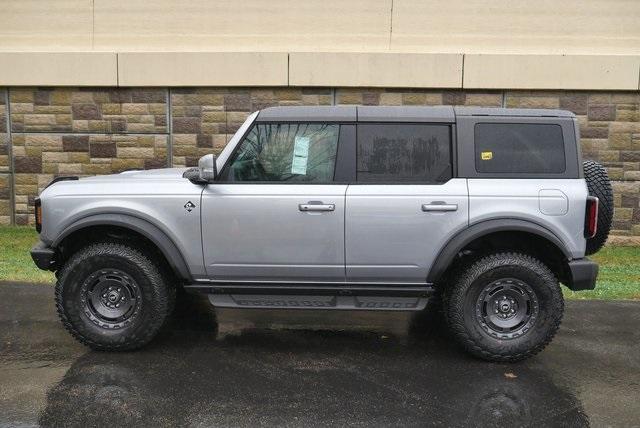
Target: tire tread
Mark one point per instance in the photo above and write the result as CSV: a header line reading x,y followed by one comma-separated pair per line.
x,y
599,185
456,292
162,306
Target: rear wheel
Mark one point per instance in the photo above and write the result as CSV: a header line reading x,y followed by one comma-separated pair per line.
x,y
504,307
112,297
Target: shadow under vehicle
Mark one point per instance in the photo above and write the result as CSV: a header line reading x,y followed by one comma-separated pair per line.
x,y
258,373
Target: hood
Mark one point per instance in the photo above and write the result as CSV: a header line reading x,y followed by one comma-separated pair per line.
x,y
150,174
152,181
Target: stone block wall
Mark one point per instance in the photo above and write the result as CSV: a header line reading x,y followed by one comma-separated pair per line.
x,y
86,131
88,110
6,206
205,119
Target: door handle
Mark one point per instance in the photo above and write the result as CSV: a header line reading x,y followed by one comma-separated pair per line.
x,y
316,207
439,207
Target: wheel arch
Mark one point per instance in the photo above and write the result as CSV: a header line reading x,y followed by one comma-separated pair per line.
x,y
478,231
153,233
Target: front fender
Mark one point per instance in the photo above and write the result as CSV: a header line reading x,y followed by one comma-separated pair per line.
x,y
145,228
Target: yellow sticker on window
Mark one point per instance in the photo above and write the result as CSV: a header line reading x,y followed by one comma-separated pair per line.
x,y
486,155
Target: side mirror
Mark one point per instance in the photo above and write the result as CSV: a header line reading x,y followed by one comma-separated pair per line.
x,y
207,168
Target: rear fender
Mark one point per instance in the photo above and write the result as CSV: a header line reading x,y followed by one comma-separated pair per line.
x,y
478,230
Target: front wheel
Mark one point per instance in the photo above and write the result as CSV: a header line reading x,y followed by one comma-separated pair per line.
x,y
504,307
112,297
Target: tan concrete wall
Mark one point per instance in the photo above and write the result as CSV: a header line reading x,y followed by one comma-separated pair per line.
x,y
203,69
546,44
230,25
356,69
551,71
518,26
375,70
58,68
55,25
457,26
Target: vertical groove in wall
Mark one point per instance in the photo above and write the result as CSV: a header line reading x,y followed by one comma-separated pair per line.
x,y
462,73
504,99
391,25
12,181
169,130
226,121
333,96
93,24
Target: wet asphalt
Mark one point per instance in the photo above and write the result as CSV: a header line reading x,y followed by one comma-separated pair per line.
x,y
302,368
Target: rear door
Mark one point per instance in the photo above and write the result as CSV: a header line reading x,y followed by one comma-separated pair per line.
x,y
405,203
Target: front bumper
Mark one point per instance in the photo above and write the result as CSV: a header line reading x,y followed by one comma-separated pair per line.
x,y
43,256
584,273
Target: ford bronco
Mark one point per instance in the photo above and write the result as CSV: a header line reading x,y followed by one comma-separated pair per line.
x,y
486,210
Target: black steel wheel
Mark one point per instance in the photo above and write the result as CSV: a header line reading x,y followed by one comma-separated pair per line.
x,y
507,308
504,307
113,297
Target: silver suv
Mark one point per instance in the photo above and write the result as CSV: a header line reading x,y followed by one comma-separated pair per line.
x,y
343,207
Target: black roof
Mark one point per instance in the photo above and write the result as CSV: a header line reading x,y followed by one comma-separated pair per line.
x,y
348,113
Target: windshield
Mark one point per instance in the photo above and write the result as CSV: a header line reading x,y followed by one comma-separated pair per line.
x,y
228,149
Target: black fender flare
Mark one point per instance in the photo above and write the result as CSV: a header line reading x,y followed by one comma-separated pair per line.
x,y
478,230
150,231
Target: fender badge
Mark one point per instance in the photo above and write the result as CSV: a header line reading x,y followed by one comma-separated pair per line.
x,y
189,206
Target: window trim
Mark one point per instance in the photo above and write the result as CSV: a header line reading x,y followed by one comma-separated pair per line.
x,y
466,146
225,168
562,136
453,155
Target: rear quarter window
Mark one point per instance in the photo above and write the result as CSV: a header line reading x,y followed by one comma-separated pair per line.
x,y
519,148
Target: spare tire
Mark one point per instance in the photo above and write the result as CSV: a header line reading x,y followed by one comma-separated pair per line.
x,y
599,186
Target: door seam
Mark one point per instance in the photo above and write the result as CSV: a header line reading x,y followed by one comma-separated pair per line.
x,y
344,232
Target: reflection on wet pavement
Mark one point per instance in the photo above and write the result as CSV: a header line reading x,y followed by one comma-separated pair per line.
x,y
247,368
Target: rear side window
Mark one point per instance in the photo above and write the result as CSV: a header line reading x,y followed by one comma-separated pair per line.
x,y
519,147
389,153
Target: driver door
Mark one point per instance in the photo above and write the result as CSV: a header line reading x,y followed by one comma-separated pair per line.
x,y
275,213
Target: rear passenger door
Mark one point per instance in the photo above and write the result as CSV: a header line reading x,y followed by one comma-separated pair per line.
x,y
405,203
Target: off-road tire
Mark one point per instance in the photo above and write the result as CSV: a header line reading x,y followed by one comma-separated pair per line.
x,y
153,304
599,185
463,312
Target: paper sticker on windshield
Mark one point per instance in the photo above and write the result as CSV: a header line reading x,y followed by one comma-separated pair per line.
x,y
486,155
300,156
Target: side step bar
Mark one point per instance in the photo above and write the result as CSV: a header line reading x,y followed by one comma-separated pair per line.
x,y
307,296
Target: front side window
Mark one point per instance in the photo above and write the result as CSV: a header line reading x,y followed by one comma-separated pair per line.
x,y
519,147
286,152
389,153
